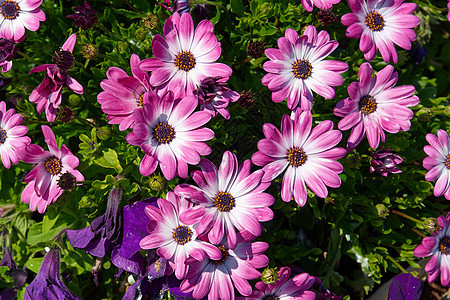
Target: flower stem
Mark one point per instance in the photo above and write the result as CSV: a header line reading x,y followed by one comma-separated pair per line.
x,y
406,216
27,57
418,232
396,264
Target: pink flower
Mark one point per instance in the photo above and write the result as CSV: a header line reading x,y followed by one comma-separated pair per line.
x,y
175,240
16,15
122,94
217,278
228,198
12,135
322,4
284,289
438,247
170,134
298,67
438,162
375,105
43,188
184,57
380,24
48,94
307,156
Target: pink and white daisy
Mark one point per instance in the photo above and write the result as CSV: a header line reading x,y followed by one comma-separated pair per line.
x,y
122,94
375,105
16,15
228,198
308,5
43,187
48,94
170,134
438,247
380,24
184,57
298,67
175,240
284,289
438,162
307,156
12,135
218,278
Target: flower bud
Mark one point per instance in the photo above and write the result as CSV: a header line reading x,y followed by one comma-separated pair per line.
x,y
383,212
65,114
157,182
269,275
89,51
104,133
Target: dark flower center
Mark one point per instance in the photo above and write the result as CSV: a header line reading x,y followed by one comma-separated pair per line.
x,y
296,157
9,9
164,133
2,136
302,69
271,297
67,181
182,234
223,201
446,163
375,21
444,245
223,258
185,61
63,59
367,105
53,165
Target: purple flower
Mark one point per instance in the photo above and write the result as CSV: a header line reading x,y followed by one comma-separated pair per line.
x,y
307,156
438,247
322,293
170,134
12,135
85,16
405,286
7,51
438,162
284,289
375,106
48,94
380,24
214,96
322,4
384,161
48,283
184,6
228,198
298,67
184,57
19,276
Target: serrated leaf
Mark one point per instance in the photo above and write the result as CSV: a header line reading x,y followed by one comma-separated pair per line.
x,y
101,185
109,160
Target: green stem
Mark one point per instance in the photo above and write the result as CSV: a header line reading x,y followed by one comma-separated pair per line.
x,y
131,6
406,216
86,122
27,57
104,28
418,232
396,264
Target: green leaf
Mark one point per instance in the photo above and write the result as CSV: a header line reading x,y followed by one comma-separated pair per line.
x,y
237,7
129,14
109,160
34,264
48,223
101,185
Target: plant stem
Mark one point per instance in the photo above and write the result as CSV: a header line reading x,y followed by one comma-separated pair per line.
x,y
418,232
27,57
406,216
396,264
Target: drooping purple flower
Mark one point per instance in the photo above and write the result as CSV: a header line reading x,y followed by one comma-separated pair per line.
x,y
384,161
7,51
85,16
299,67
48,283
308,5
200,10
19,276
322,293
380,25
405,286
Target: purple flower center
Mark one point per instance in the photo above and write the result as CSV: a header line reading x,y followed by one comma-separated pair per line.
x,y
296,157
302,69
67,181
447,161
367,105
9,9
185,61
444,245
271,297
223,201
375,21
53,165
182,234
163,133
223,258
63,59
2,136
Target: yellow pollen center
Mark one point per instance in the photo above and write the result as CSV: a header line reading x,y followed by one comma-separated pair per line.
x,y
163,133
224,202
53,165
140,101
223,258
9,9
2,136
182,234
302,69
447,161
367,105
185,61
296,157
375,21
444,245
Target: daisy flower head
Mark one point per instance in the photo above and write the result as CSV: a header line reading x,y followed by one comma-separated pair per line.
x,y
308,5
175,240
185,56
122,94
12,135
170,134
299,67
229,198
218,278
43,187
438,247
16,15
438,162
375,106
380,24
306,154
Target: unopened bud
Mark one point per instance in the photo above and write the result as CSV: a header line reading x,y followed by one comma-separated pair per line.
x,y
157,182
65,114
89,51
104,133
269,275
67,181
383,212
